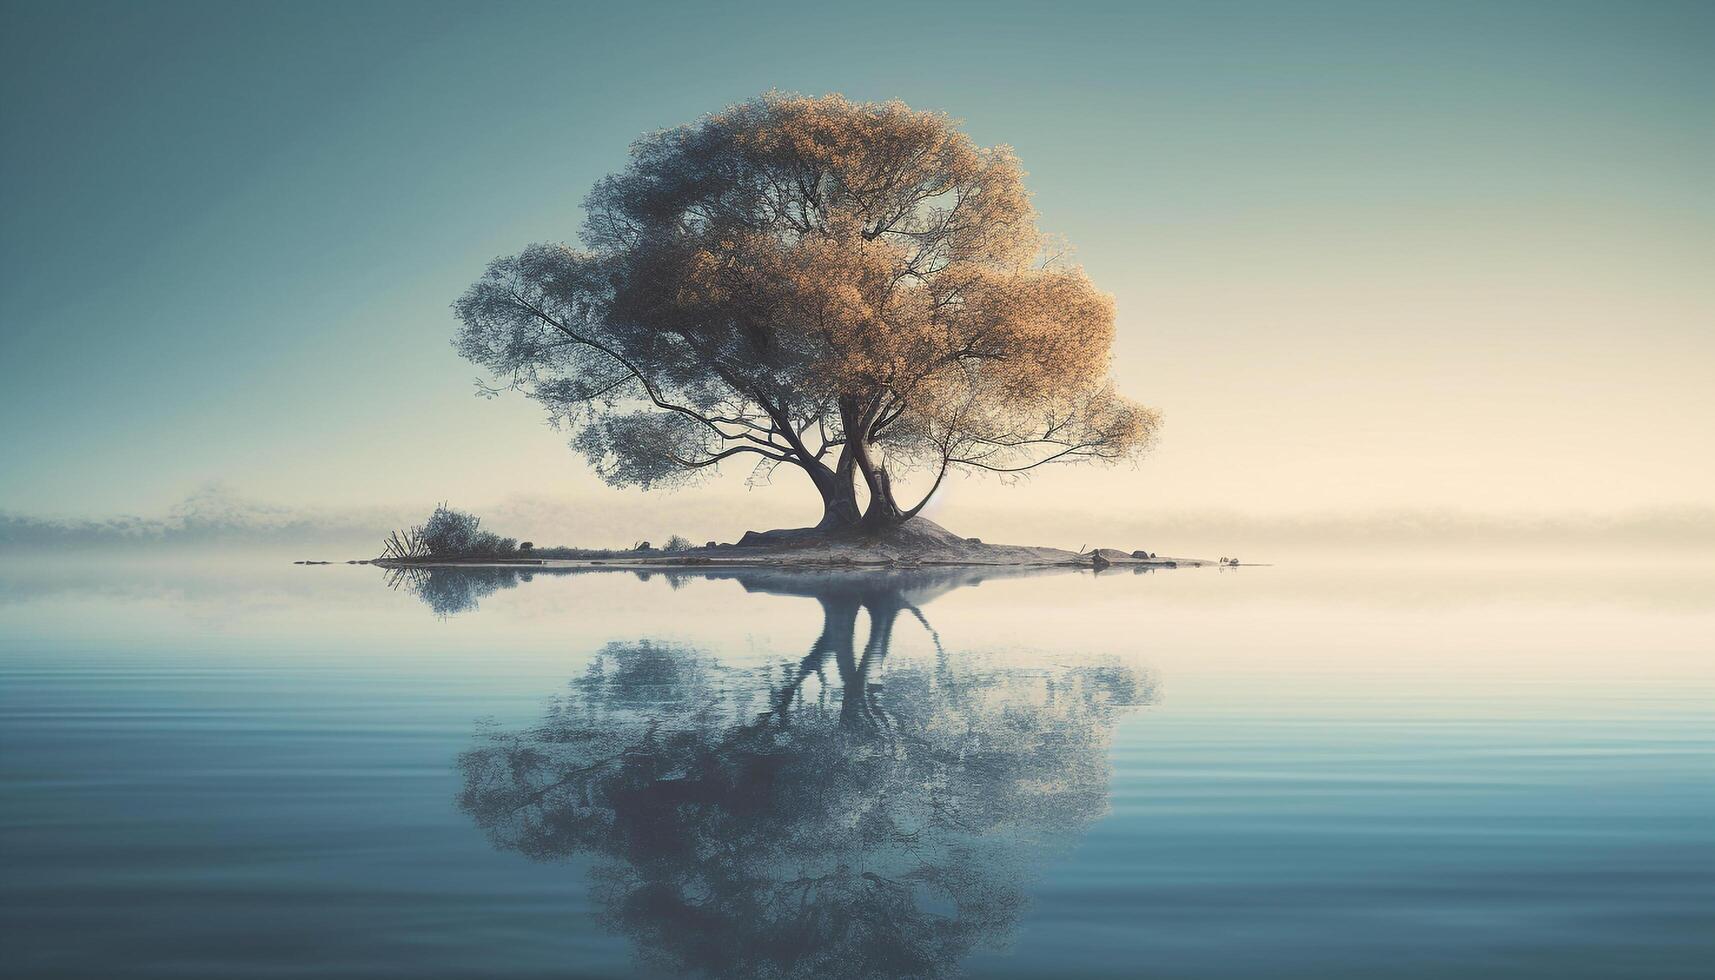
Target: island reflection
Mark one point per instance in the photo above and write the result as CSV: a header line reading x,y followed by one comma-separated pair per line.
x,y
841,816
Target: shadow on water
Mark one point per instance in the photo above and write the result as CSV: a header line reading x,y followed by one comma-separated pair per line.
x,y
452,589
449,591
841,816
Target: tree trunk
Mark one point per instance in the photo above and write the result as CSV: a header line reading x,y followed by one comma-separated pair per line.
x,y
839,495
883,511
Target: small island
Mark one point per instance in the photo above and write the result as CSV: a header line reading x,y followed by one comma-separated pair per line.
x,y
453,537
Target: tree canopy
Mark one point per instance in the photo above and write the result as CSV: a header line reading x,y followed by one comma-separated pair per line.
x,y
856,290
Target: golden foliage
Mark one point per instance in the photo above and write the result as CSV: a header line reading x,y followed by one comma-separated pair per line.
x,y
903,255
790,264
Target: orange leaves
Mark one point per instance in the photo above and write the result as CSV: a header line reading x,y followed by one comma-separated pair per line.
x,y
882,245
789,254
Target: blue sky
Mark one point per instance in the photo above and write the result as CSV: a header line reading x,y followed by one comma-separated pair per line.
x,y
1367,255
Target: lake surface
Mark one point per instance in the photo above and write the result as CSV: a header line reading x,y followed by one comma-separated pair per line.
x,y
252,769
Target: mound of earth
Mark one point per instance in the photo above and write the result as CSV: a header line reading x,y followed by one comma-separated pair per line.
x,y
918,541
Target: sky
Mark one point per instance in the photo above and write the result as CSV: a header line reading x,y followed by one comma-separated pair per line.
x,y
1368,257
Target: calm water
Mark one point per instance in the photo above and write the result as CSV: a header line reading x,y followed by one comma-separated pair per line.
x,y
253,769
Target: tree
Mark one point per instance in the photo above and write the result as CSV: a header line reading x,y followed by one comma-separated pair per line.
x,y
851,815
856,290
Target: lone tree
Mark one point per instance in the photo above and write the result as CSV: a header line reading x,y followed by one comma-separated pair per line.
x,y
853,289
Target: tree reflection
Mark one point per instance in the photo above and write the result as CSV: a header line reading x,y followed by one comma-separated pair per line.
x,y
449,591
843,817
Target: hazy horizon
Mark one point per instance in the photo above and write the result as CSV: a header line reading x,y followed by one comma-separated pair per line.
x,y
219,518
